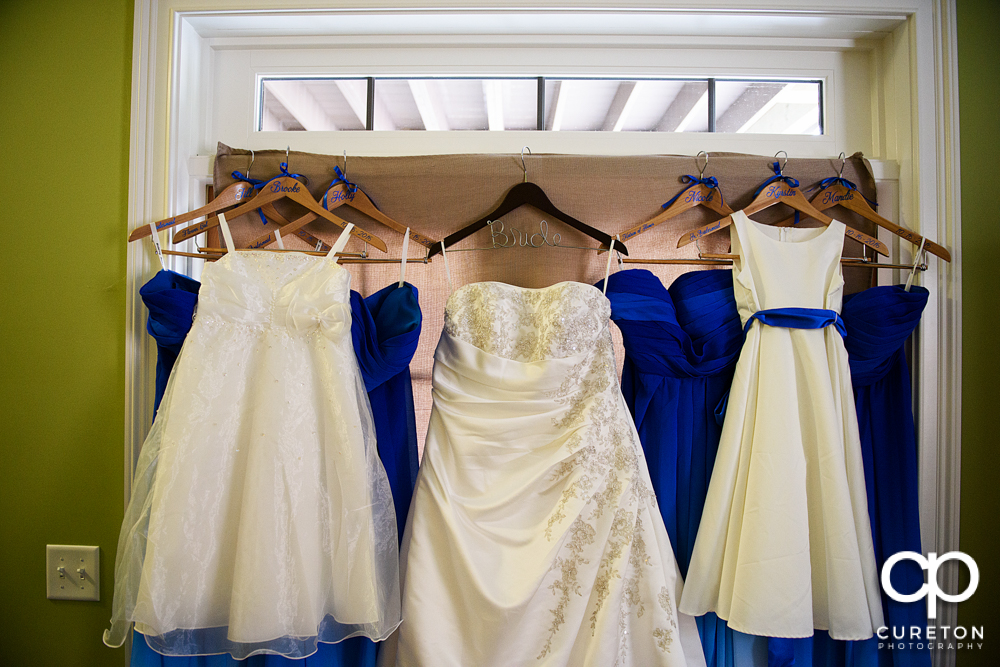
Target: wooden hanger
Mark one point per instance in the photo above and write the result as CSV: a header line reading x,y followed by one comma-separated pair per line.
x,y
238,192
231,196
838,191
343,192
532,195
781,189
282,187
702,192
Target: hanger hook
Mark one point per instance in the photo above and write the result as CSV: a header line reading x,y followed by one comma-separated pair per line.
x,y
843,162
701,172
523,167
252,158
345,164
286,155
781,169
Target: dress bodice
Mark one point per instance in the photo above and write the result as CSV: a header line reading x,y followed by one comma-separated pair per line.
x,y
879,320
297,293
786,267
691,329
525,324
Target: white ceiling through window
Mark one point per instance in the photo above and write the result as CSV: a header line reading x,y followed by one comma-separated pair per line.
x,y
609,105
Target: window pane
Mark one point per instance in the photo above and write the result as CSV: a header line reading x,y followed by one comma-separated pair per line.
x,y
611,105
768,107
314,104
455,104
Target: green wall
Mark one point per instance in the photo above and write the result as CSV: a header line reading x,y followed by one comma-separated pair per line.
x,y
979,96
65,73
65,70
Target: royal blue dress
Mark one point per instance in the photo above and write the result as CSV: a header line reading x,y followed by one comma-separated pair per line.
x,y
170,299
879,321
385,329
681,348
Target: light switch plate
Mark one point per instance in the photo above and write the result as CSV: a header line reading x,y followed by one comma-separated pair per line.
x,y
72,572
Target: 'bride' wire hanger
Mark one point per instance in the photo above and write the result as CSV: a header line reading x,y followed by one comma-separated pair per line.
x,y
521,194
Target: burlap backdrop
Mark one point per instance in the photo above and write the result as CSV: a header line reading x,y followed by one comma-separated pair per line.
x,y
440,194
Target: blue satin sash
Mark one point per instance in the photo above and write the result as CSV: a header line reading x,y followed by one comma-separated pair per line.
x,y
798,318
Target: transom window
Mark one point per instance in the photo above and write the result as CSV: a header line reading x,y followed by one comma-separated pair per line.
x,y
739,106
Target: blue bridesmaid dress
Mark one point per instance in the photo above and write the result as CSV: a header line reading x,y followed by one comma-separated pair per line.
x,y
681,347
879,320
170,299
385,329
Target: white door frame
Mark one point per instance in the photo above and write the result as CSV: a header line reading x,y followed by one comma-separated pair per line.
x,y
922,137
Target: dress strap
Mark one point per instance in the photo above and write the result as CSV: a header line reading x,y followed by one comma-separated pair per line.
x,y
226,235
402,263
341,241
607,269
799,318
155,235
916,263
447,271
277,239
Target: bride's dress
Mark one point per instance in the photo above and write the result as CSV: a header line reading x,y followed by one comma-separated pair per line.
x,y
534,537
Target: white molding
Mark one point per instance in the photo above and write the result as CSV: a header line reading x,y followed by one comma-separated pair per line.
x,y
948,434
140,351
929,185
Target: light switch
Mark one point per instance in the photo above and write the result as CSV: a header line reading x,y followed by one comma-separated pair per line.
x,y
72,572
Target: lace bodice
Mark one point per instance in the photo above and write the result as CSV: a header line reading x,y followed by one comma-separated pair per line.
x,y
290,291
525,324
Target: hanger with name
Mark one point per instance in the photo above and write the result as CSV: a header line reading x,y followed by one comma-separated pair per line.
x,y
701,192
838,191
283,186
343,193
781,189
526,193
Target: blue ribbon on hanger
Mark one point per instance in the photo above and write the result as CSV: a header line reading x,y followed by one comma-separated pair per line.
x,y
341,177
778,176
257,185
710,181
827,182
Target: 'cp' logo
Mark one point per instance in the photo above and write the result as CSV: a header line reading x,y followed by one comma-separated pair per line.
x,y
930,590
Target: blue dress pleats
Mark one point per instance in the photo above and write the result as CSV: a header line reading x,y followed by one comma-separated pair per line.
x,y
170,299
681,348
385,329
879,321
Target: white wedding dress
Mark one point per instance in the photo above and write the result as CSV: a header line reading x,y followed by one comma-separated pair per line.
x,y
785,545
534,537
261,519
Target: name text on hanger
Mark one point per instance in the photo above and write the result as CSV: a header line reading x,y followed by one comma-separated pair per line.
x,y
705,231
515,237
695,195
277,186
833,198
775,191
342,195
